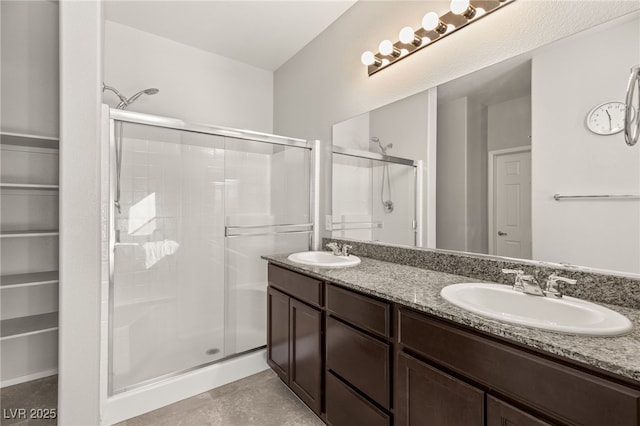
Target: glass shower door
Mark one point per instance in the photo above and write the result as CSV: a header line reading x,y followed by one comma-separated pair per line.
x,y
167,285
192,213
267,200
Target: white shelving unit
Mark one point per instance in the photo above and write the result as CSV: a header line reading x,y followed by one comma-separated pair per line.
x,y
29,263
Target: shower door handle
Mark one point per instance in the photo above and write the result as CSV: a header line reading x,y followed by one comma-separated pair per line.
x,y
259,230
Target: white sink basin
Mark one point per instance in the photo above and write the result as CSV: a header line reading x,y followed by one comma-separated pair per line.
x,y
566,315
324,259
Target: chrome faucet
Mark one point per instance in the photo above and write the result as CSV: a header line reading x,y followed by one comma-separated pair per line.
x,y
526,284
339,249
344,251
335,248
553,283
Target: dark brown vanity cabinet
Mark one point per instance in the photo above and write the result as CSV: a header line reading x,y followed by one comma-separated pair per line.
x,y
334,351
294,333
449,375
358,359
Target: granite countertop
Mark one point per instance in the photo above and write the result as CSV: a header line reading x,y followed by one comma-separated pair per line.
x,y
420,289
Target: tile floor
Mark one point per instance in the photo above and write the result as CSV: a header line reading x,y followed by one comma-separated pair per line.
x,y
36,394
261,399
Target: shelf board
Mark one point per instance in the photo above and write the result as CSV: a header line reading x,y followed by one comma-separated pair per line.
x,y
32,141
27,233
24,326
26,280
28,186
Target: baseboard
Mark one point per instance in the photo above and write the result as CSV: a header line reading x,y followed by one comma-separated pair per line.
x,y
28,378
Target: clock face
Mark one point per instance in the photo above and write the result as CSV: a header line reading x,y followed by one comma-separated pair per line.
x,y
607,118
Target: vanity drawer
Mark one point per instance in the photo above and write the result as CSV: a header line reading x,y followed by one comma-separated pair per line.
x,y
359,359
362,311
560,391
345,407
300,286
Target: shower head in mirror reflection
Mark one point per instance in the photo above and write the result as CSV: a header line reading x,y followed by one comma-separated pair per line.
x,y
387,204
383,148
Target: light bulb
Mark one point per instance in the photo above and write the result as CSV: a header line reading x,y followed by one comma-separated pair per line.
x,y
430,21
368,58
386,47
462,7
407,35
459,6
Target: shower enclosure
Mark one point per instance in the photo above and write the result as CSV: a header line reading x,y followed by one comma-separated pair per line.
x,y
376,197
199,205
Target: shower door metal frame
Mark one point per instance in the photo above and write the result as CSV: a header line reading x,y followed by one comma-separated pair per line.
x,y
418,174
312,228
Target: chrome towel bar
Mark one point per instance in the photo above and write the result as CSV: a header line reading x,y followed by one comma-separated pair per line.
x,y
559,197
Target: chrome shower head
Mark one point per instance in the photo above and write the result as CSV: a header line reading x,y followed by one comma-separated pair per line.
x,y
112,89
375,139
132,99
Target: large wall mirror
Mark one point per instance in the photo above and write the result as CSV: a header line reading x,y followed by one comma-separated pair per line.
x,y
511,166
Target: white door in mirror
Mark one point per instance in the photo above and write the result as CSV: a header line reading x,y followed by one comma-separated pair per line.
x,y
607,118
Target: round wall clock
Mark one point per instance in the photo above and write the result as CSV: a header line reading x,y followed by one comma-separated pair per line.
x,y
607,118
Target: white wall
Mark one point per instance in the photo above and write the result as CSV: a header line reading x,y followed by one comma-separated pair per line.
x,y
195,85
80,208
477,212
461,193
568,159
352,133
29,77
451,193
509,123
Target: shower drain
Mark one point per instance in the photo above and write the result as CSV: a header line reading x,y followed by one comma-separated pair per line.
x,y
212,351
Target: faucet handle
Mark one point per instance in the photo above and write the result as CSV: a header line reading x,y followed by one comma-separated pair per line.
x,y
345,250
517,285
551,288
553,278
335,248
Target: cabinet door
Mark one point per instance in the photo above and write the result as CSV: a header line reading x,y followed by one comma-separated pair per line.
x,y
306,357
278,332
345,407
427,396
499,413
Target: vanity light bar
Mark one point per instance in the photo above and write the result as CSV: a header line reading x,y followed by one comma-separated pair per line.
x,y
434,28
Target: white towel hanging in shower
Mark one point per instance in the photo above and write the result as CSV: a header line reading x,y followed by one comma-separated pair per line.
x,y
156,250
